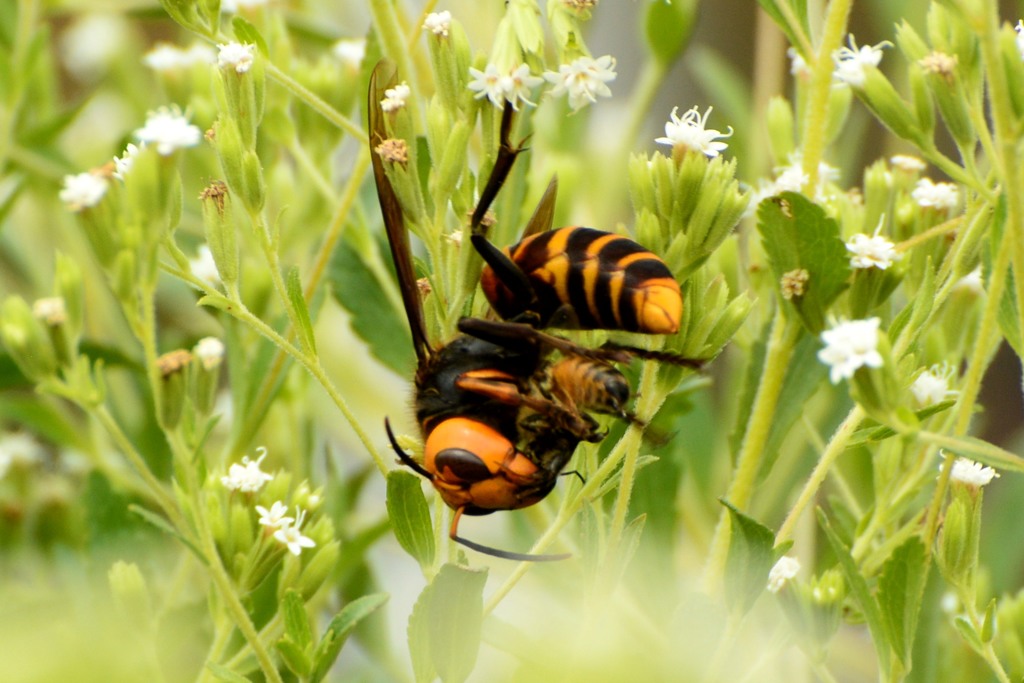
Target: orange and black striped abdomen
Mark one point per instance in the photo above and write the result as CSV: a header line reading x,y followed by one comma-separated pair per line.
x,y
589,279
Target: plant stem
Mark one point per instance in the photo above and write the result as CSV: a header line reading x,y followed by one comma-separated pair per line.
x,y
777,356
310,98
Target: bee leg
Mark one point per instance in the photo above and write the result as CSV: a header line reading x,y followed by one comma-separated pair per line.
x,y
517,336
494,552
505,269
660,356
403,456
502,167
575,473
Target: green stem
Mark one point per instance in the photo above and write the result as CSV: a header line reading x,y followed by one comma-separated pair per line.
x,y
820,87
748,462
835,448
310,98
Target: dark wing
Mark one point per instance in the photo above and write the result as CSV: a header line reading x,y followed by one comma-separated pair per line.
x,y
382,78
544,215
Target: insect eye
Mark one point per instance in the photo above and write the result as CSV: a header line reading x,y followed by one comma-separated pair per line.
x,y
463,464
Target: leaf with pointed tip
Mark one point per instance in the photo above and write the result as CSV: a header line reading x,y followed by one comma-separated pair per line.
x,y
410,516
750,558
338,631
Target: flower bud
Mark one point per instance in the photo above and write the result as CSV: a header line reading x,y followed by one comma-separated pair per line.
x,y
781,128
220,231
886,104
51,313
254,190
173,367
227,141
240,81
451,59
522,18
26,340
209,354
320,566
129,589
941,71
958,554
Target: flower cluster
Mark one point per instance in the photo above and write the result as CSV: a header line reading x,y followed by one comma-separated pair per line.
x,y
168,57
849,346
971,473
940,196
932,385
247,477
83,190
872,251
499,88
782,572
438,23
395,98
237,56
584,79
286,530
690,131
167,129
852,62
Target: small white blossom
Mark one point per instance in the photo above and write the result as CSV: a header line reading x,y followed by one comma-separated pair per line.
x,y
908,163
438,23
690,131
291,536
204,267
971,473
971,282
797,64
487,83
584,80
1019,28
274,518
500,88
210,352
168,130
168,57
872,251
50,310
852,61
350,51
935,195
518,85
83,190
19,449
123,164
394,98
791,179
237,56
850,345
932,385
783,570
247,477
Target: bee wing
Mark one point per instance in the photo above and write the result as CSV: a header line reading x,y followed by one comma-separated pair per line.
x,y
382,78
544,215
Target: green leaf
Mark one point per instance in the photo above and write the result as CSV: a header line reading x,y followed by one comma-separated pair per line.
x,y
410,516
876,432
900,591
247,33
296,621
418,636
860,592
968,633
222,673
295,657
751,556
797,235
976,449
298,301
165,526
376,318
455,611
771,7
329,647
668,27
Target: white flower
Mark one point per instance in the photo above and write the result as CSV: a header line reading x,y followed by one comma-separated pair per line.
x,y
935,195
350,51
971,282
487,83
50,310
784,570
123,164
797,64
872,251
908,163
247,476
210,352
1019,28
83,190
518,84
690,131
290,535
235,55
438,23
584,79
852,61
394,98
849,345
274,517
168,57
932,385
168,129
19,449
971,473
204,267
791,179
